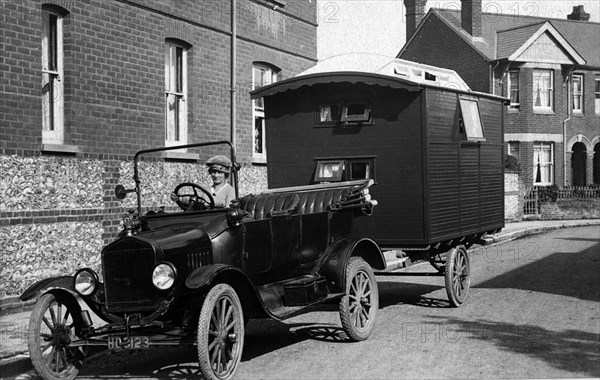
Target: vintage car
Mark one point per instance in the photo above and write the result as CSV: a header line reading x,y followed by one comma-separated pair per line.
x,y
196,277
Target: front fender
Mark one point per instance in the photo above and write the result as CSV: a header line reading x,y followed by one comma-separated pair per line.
x,y
51,283
336,261
204,277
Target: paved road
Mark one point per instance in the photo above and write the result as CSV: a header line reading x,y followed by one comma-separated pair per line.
x,y
533,312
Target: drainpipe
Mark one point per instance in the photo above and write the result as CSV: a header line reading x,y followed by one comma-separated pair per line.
x,y
565,130
233,69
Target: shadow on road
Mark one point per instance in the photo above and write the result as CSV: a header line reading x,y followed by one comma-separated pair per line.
x,y
398,293
572,274
262,337
569,350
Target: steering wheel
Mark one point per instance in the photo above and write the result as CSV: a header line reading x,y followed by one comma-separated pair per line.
x,y
196,202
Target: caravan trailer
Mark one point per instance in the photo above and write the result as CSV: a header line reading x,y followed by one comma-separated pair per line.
x,y
433,148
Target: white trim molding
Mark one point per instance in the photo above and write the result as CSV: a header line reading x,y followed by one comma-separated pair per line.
x,y
531,137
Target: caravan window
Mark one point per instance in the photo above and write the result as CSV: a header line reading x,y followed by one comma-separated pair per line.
x,y
343,114
471,119
329,171
334,169
356,112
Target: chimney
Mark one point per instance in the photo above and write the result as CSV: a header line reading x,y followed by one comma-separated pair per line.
x,y
579,14
415,11
470,16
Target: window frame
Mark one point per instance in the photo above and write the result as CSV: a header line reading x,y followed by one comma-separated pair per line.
x,y
53,123
343,119
258,110
467,127
540,73
176,86
345,168
510,90
514,146
577,94
597,94
543,145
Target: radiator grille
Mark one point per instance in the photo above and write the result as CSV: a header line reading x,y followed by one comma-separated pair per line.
x,y
127,268
197,259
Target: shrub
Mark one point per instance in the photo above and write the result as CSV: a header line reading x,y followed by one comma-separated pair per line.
x,y
511,163
548,193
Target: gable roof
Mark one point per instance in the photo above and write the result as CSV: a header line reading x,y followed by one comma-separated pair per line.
x,y
581,36
514,35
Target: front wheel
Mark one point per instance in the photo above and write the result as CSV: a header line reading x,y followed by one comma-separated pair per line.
x,y
54,320
220,333
458,276
358,308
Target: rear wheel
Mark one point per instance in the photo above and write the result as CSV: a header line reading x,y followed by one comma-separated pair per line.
x,y
220,333
358,308
52,327
458,276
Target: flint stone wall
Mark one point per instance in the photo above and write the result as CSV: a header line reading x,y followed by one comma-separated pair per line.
x,y
513,197
56,213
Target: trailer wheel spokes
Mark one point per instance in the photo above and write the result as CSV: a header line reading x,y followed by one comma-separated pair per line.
x,y
458,276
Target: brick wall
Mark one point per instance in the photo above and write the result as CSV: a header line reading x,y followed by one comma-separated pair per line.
x,y
114,69
433,46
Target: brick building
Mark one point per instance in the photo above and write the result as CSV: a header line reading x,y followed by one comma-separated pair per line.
x,y
549,68
85,84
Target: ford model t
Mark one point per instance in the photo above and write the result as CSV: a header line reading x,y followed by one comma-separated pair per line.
x,y
195,277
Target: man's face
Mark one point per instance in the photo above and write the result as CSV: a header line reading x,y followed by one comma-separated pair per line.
x,y
217,176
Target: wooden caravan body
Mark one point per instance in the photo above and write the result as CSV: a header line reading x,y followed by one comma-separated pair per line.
x,y
433,147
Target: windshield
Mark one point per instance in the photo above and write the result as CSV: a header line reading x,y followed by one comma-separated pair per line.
x,y
156,173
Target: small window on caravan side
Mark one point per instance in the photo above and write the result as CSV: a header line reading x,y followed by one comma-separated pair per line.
x,y
351,113
329,171
470,119
335,169
356,112
360,170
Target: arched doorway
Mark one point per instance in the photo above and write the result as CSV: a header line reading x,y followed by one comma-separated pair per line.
x,y
597,164
578,164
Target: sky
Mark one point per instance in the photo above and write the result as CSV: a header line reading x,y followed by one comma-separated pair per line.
x,y
378,26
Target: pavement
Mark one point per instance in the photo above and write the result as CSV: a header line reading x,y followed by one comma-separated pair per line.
x,y
14,315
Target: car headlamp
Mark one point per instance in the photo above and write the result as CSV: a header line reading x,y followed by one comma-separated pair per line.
x,y
163,276
85,282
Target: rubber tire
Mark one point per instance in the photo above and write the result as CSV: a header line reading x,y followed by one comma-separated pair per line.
x,y
214,299
40,311
457,264
359,272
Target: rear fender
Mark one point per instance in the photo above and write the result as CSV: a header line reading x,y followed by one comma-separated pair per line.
x,y
203,278
334,266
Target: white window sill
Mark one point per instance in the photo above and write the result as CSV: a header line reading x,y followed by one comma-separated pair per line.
x,y
60,148
543,111
182,156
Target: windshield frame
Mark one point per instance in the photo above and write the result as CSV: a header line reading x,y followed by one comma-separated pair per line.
x,y
234,166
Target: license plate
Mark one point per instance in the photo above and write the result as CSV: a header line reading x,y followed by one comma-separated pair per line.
x,y
131,343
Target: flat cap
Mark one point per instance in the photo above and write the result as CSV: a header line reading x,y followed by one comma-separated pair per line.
x,y
220,163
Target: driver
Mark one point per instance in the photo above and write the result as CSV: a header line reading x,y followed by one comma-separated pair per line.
x,y
222,192
219,168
